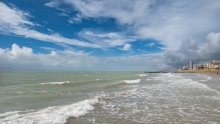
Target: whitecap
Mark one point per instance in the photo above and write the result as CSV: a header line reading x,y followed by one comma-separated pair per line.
x,y
63,82
50,115
132,81
143,75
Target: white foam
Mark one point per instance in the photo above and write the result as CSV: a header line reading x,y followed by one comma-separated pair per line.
x,y
208,77
205,77
63,82
50,115
9,113
132,81
143,75
40,91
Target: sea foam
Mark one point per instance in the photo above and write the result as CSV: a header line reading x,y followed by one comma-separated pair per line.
x,y
63,82
132,81
143,75
50,115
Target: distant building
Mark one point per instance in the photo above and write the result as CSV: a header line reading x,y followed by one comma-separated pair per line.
x,y
213,64
198,67
210,65
185,68
191,65
205,66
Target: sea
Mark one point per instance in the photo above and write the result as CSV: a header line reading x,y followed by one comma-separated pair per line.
x,y
109,98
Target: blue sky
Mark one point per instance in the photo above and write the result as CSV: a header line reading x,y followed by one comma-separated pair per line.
x,y
94,35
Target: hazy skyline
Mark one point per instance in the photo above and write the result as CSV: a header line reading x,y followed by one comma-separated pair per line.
x,y
107,35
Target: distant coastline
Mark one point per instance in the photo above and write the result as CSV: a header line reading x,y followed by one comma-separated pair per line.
x,y
212,71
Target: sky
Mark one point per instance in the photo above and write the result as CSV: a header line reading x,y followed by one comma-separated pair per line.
x,y
107,35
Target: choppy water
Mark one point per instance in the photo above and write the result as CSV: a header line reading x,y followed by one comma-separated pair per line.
x,y
109,97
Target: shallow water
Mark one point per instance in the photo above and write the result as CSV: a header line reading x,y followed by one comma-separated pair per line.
x,y
109,97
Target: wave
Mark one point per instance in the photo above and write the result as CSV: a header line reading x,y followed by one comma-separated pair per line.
x,y
63,82
73,82
208,78
143,75
50,115
204,77
132,81
120,83
112,84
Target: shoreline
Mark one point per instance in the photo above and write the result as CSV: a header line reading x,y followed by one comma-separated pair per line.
x,y
209,71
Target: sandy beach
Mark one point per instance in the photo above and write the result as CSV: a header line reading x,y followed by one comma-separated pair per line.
x,y
209,71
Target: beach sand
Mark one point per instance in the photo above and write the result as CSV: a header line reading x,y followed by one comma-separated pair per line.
x,y
212,71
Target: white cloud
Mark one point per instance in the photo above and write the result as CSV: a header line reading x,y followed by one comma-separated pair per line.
x,y
106,40
150,44
53,53
75,20
167,21
13,17
52,4
14,21
24,59
126,12
126,47
50,30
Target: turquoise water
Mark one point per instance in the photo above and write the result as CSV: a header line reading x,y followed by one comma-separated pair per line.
x,y
108,97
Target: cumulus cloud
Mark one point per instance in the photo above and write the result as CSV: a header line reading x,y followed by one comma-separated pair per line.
x,y
24,59
191,50
15,21
126,47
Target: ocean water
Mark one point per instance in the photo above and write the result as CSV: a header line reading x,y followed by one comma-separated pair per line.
x,y
109,98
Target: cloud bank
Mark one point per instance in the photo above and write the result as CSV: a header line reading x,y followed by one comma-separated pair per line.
x,y
17,58
23,59
191,50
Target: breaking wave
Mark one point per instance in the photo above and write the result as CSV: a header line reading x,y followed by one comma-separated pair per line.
x,y
63,82
50,115
132,81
